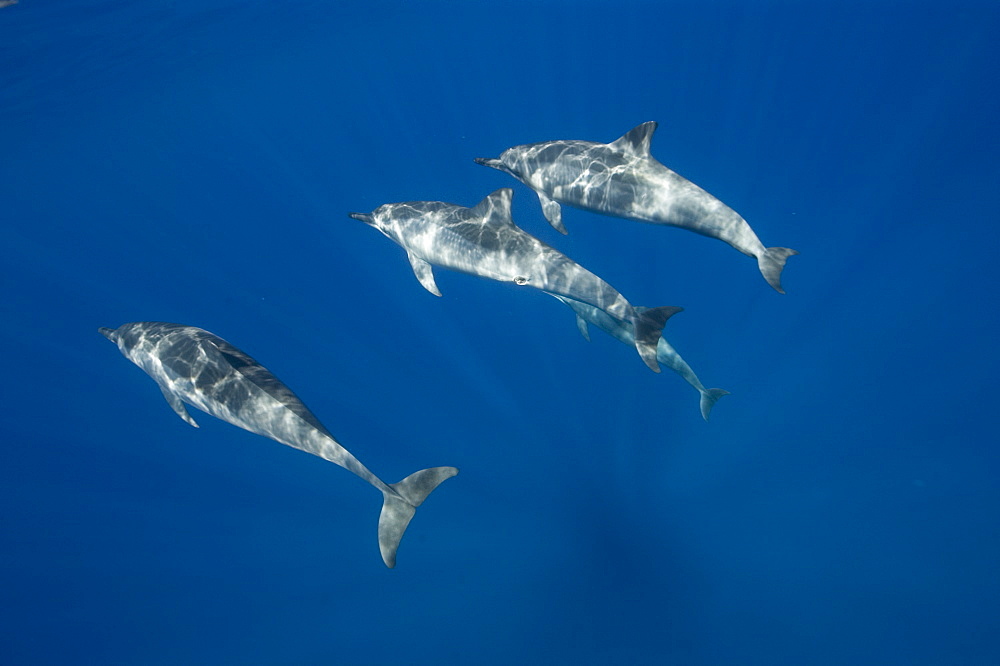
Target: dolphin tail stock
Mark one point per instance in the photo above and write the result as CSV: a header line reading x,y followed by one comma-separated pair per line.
x,y
398,508
771,262
708,399
647,325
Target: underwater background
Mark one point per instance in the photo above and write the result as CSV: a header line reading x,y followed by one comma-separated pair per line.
x,y
196,163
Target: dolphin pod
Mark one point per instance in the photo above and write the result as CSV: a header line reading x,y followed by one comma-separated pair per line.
x,y
193,366
623,179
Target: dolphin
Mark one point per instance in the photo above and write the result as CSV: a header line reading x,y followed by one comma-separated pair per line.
x,y
623,179
665,353
484,241
193,366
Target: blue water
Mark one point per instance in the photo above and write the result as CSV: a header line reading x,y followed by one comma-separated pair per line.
x,y
195,162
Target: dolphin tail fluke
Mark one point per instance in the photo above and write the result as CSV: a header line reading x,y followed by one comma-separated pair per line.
x,y
399,507
708,399
647,326
771,262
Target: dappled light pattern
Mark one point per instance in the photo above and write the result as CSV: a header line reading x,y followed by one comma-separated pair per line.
x,y
623,179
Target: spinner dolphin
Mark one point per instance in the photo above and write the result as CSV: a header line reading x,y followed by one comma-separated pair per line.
x,y
665,353
623,179
484,241
193,366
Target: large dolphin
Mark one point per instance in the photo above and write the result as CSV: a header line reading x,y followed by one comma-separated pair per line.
x,y
484,241
623,179
665,353
191,365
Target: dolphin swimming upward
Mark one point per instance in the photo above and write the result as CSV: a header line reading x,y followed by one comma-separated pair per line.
x,y
665,353
485,241
193,366
623,179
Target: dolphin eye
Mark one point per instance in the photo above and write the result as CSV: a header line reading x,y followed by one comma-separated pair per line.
x,y
520,280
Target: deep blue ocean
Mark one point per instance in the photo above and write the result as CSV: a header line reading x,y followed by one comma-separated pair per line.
x,y
196,163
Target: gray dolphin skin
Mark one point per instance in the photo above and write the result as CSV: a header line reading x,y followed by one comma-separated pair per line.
x,y
484,241
623,179
665,353
193,366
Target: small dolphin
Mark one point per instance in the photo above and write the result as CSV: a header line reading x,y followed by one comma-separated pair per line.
x,y
665,353
623,179
191,365
485,241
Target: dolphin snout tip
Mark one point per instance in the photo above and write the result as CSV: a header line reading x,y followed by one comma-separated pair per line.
x,y
109,333
493,163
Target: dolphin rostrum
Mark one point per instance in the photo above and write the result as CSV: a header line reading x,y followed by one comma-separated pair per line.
x,y
665,353
484,241
193,366
623,179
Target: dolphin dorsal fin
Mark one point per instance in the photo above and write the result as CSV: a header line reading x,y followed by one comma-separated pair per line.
x,y
495,207
636,140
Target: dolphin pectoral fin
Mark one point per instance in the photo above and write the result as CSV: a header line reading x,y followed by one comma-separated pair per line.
x,y
708,399
581,325
771,262
399,507
647,326
178,406
424,273
552,212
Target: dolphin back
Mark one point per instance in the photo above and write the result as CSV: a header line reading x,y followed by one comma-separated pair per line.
x,y
262,378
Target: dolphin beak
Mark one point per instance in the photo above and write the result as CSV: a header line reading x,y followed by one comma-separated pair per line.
x,y
109,333
490,162
362,217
